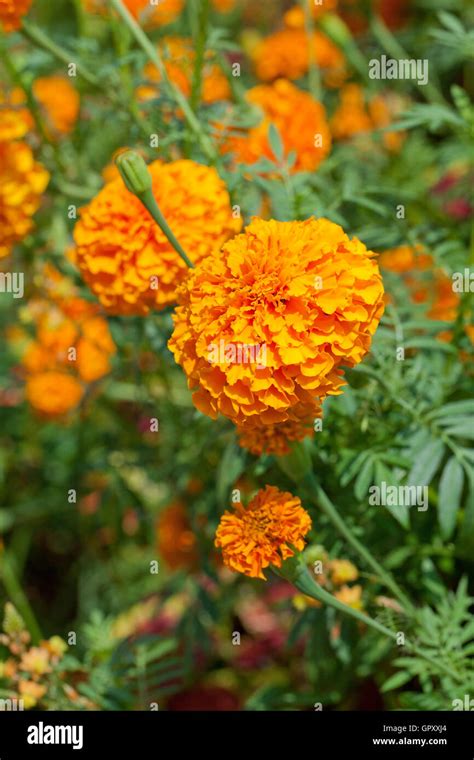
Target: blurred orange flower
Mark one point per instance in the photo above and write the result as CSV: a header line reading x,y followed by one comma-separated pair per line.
x,y
15,119
11,13
287,53
175,540
353,117
300,120
264,533
147,13
60,100
122,253
303,292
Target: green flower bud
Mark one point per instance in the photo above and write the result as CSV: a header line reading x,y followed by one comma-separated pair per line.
x,y
134,172
13,623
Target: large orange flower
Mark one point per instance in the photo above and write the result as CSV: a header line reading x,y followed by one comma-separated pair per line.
x,y
60,100
11,13
267,325
300,119
22,183
264,533
122,253
179,59
287,53
276,439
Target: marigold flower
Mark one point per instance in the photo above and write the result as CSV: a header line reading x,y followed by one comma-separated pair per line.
x,y
53,393
342,571
305,291
157,14
294,18
276,439
287,53
15,119
35,661
300,120
31,692
122,253
353,117
350,595
175,540
60,100
11,13
22,183
179,60
263,533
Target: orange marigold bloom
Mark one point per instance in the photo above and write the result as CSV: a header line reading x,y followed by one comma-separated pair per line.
x,y
157,14
179,60
302,290
294,18
276,439
299,119
60,100
264,533
22,183
11,13
175,540
15,119
122,253
53,393
287,54
353,117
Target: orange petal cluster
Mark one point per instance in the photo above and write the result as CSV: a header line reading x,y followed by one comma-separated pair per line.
x,y
264,533
300,120
122,253
276,439
436,290
288,52
294,18
148,14
354,117
60,101
176,541
11,13
303,292
22,179
72,347
179,60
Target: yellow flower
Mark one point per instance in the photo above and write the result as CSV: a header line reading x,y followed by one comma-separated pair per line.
x,y
22,183
35,661
15,119
31,692
122,253
11,13
263,533
304,292
350,595
342,571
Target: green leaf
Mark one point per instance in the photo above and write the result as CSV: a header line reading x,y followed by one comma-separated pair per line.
x,y
426,464
397,680
462,430
276,143
449,499
364,479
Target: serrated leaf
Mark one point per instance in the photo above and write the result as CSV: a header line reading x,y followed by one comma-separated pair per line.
x,y
449,499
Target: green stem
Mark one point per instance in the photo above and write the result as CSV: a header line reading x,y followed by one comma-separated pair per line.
x,y
203,20
149,201
295,571
18,597
152,53
320,498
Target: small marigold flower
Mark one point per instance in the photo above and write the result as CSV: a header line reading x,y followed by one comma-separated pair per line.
x,y
300,120
287,54
294,18
31,692
354,117
342,571
11,13
264,533
122,253
22,183
15,119
305,291
176,541
53,393
148,14
60,101
179,60
350,595
35,661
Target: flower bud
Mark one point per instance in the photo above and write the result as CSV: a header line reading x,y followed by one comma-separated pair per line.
x,y
134,172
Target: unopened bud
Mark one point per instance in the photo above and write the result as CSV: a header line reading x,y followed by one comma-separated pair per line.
x,y
134,172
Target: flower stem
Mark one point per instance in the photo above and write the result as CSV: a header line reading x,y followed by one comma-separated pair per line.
x,y
149,201
320,498
295,571
314,79
152,53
